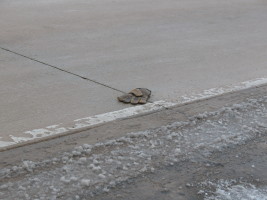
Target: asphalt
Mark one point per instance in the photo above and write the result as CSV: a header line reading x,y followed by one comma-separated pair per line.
x,y
65,60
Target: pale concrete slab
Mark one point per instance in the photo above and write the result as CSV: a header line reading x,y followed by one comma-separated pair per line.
x,y
172,47
34,96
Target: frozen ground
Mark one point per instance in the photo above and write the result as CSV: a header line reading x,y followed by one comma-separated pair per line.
x,y
98,171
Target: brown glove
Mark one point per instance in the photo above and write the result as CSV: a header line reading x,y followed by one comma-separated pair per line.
x,y
138,95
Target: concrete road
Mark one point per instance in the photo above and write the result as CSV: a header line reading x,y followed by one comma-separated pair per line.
x,y
172,47
34,96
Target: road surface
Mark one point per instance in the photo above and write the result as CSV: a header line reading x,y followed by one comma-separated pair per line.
x,y
210,149
65,60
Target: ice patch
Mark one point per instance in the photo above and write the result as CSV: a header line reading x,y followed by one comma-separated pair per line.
x,y
221,90
239,191
4,143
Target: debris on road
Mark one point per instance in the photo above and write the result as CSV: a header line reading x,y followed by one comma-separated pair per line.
x,y
136,96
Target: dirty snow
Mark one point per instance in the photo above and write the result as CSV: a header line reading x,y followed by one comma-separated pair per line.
x,y
221,90
84,122
89,170
231,190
